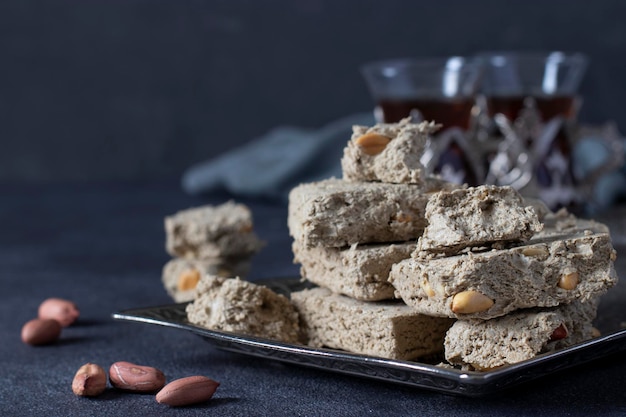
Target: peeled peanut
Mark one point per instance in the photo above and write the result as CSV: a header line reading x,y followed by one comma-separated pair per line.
x,y
63,311
90,380
187,391
536,251
188,280
131,377
568,281
467,302
372,143
41,331
428,289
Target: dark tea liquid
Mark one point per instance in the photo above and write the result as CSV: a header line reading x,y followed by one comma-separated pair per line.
x,y
548,106
449,113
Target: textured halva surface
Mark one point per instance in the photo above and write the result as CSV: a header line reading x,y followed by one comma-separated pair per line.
x,y
385,329
359,271
209,232
177,267
488,344
234,305
519,277
338,213
399,162
477,216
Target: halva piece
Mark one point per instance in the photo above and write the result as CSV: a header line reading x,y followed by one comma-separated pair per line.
x,y
477,216
488,344
384,329
387,152
338,213
234,305
544,272
359,271
209,232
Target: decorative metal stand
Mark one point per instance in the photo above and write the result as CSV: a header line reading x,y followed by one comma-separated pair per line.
x,y
533,156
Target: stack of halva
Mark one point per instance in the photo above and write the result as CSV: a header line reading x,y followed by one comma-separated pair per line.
x,y
403,265
207,240
406,265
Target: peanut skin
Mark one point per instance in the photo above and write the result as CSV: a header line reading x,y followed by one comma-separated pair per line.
x,y
63,311
41,331
131,377
187,391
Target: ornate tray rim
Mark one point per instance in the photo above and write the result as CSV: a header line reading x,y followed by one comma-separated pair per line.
x,y
416,374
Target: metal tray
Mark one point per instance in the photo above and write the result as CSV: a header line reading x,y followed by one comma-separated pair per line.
x,y
416,374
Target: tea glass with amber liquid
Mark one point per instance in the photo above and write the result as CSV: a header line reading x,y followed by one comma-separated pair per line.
x,y
442,90
535,96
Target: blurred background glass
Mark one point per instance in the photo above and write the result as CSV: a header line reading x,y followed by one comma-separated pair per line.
x,y
440,89
551,79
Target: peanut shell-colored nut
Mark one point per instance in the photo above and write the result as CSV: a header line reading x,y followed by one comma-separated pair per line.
x,y
187,391
559,333
568,281
188,280
536,251
131,377
372,143
41,331
428,289
89,381
403,218
595,332
63,311
467,302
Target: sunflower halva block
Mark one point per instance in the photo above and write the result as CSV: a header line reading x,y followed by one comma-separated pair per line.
x,y
359,271
489,344
486,215
234,305
338,213
386,329
548,270
387,152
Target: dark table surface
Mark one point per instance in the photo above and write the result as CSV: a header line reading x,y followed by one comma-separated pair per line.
x,y
102,246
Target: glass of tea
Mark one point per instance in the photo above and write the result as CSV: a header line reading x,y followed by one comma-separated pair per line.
x,y
550,79
441,89
532,97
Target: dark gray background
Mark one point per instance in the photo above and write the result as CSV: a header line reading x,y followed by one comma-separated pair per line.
x,y
102,89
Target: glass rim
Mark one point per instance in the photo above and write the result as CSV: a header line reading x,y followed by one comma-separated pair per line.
x,y
416,62
539,55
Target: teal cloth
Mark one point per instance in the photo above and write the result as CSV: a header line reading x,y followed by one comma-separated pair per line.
x,y
274,163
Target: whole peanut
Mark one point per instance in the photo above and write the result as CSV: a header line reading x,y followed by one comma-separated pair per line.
x,y
187,391
63,311
131,377
41,331
90,380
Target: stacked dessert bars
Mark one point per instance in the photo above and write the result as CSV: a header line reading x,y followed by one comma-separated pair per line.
x,y
208,240
408,265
